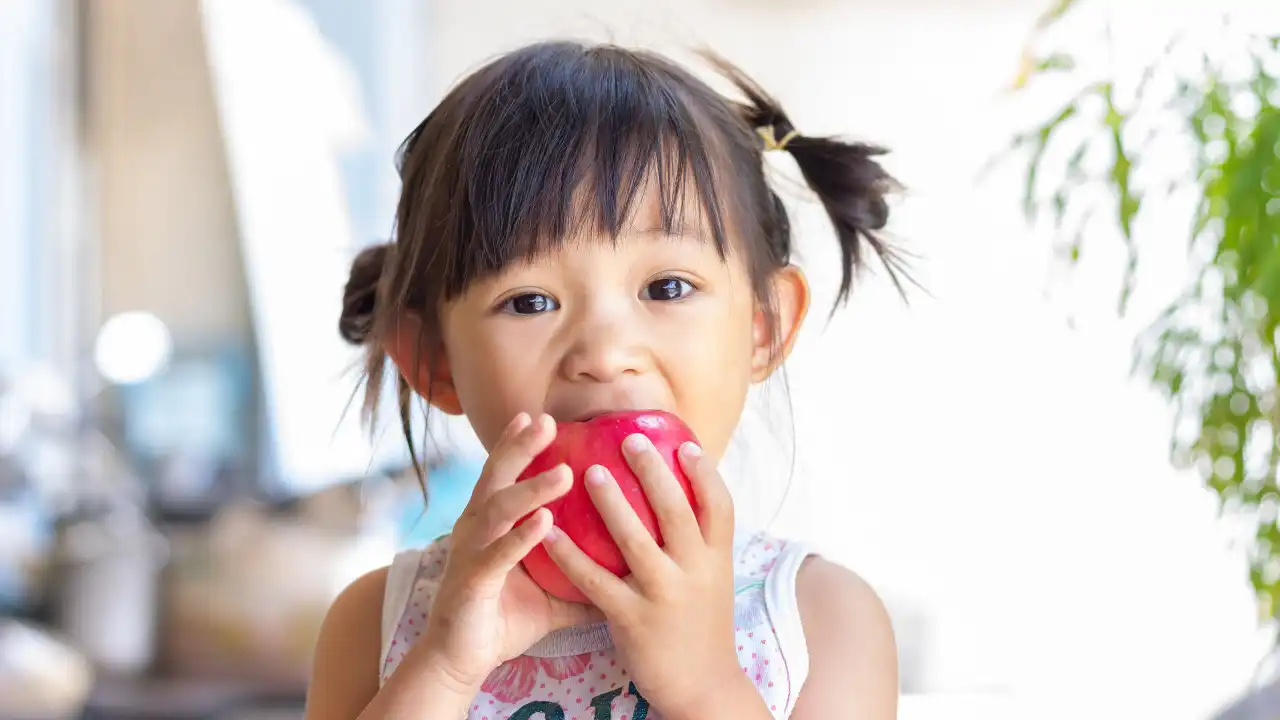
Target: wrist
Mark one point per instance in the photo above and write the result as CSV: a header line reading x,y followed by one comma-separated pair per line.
x,y
727,694
422,687
434,668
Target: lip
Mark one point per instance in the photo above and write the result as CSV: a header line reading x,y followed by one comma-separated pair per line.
x,y
595,412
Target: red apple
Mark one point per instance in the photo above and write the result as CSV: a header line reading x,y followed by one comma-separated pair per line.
x,y
598,441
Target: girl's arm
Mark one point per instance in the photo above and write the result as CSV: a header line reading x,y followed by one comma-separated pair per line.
x,y
853,660
344,678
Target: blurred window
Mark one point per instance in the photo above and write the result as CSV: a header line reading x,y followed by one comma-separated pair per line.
x,y
28,103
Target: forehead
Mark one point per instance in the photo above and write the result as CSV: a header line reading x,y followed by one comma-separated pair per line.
x,y
681,234
564,143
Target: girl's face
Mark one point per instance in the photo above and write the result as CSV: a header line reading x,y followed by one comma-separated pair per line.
x,y
652,321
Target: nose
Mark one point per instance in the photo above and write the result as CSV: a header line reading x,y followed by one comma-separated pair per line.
x,y
607,345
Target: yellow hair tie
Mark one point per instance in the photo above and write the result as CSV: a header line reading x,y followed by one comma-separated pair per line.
x,y
771,142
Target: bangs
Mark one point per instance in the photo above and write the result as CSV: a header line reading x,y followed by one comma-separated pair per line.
x,y
563,141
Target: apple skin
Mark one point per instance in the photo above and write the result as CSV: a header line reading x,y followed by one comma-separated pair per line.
x,y
598,441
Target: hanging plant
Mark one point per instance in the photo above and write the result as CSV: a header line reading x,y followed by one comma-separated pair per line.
x,y
1100,160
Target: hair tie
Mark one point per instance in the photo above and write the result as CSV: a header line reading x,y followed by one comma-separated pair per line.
x,y
771,142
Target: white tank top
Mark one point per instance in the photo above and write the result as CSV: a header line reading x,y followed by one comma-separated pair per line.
x,y
574,673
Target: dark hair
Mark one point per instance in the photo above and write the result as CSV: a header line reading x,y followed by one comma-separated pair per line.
x,y
551,137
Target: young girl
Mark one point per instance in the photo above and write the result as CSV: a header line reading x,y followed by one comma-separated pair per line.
x,y
584,229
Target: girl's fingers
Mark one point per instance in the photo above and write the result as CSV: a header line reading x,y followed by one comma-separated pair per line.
x,y
512,454
507,465
638,547
517,425
503,554
505,507
670,504
715,503
605,590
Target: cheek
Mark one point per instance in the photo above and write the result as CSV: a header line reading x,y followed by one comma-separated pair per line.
x,y
720,351
494,381
710,367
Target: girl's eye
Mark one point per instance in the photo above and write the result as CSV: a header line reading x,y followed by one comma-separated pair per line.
x,y
530,304
668,289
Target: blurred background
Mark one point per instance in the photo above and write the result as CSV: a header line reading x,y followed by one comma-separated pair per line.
x,y
1057,465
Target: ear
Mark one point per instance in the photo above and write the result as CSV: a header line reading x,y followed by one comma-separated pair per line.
x,y
426,372
790,291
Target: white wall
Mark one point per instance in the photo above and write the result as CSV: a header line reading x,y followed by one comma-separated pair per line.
x,y
981,463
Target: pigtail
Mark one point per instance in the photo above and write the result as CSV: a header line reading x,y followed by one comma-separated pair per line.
x,y
853,188
357,326
360,295
845,176
370,303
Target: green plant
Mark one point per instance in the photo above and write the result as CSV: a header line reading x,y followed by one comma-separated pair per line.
x,y
1213,350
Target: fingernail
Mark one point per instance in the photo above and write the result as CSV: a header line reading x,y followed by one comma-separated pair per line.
x,y
519,421
691,450
636,442
596,475
553,534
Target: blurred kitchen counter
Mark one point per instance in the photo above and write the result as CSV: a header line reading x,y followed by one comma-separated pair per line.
x,y
178,699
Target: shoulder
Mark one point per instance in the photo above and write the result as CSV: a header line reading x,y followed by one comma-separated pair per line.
x,y
359,604
837,596
852,654
344,675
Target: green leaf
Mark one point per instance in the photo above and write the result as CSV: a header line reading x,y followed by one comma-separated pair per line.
x,y
1056,12
1041,143
1056,61
1033,68
1127,201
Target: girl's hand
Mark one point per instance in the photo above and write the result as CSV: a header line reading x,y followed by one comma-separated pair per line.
x,y
672,617
487,609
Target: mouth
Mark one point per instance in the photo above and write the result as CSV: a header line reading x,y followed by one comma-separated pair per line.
x,y
580,405
593,413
